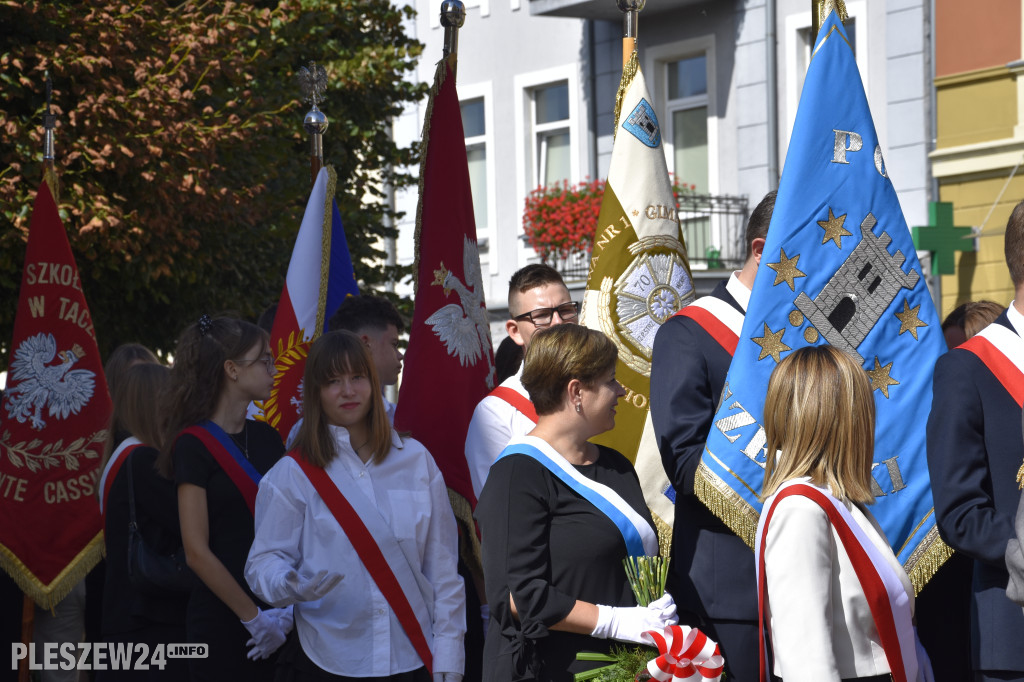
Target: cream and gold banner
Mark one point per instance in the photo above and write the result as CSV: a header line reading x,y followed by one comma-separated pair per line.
x,y
639,277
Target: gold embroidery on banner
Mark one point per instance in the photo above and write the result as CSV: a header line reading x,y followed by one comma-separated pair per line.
x,y
626,356
20,454
288,353
664,535
786,270
909,321
1020,477
880,379
469,543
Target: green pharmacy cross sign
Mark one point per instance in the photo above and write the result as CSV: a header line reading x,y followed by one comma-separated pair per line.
x,y
942,238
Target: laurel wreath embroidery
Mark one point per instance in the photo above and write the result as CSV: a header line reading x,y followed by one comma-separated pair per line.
x,y
22,455
288,354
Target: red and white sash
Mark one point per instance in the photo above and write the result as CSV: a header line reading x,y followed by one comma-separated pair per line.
x,y
718,318
117,458
1002,351
375,543
886,596
516,400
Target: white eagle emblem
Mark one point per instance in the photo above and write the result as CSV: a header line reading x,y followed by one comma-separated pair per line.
x,y
463,328
38,385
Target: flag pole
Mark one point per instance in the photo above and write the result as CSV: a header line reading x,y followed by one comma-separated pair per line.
x,y
453,16
630,25
49,124
313,82
820,10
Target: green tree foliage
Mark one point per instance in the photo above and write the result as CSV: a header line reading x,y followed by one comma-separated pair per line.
x,y
184,168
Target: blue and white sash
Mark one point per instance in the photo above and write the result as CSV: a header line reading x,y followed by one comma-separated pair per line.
x,y
640,538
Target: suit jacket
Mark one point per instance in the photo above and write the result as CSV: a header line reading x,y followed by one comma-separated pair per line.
x,y
806,566
974,451
712,570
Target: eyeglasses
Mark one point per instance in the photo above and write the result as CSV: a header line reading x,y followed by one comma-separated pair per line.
x,y
267,359
541,317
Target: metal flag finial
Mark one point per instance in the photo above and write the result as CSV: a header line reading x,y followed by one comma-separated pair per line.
x,y
453,16
630,25
313,83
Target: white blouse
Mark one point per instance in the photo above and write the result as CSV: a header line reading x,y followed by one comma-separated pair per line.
x,y
352,631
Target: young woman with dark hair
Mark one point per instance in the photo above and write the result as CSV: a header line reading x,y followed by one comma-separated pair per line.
x,y
217,457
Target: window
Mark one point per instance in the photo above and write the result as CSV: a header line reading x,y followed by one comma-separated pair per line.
x,y
474,126
552,141
687,108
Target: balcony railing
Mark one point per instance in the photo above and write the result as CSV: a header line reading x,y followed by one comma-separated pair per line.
x,y
713,227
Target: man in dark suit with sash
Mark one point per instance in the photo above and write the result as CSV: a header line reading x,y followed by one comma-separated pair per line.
x,y
975,449
711,576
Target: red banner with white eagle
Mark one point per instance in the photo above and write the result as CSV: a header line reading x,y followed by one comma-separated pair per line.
x,y
449,366
53,421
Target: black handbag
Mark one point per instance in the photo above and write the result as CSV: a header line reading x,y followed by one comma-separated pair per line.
x,y
149,570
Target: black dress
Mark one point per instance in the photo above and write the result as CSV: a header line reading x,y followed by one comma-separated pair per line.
x,y
128,614
549,547
208,619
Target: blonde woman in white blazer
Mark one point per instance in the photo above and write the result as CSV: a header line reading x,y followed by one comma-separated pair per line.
x,y
819,549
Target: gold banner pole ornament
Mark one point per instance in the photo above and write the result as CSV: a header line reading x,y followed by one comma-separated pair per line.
x,y
820,9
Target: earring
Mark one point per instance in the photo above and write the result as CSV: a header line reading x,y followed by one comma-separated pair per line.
x,y
579,408
234,377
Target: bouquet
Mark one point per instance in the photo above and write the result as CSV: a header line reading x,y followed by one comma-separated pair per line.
x,y
683,653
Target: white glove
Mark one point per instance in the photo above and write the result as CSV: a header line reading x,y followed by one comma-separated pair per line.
x,y
309,588
447,677
627,624
285,617
666,606
267,632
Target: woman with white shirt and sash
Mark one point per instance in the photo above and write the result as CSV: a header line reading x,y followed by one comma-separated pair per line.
x,y
355,529
838,603
558,515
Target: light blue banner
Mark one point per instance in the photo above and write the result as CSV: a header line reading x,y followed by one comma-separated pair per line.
x,y
839,267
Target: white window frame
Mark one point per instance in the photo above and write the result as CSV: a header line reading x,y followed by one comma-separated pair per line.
x,y
801,21
525,133
485,91
658,59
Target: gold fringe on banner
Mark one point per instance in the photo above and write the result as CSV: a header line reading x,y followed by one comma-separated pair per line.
x,y
440,73
325,250
470,549
50,175
628,73
926,560
664,535
726,504
741,519
48,596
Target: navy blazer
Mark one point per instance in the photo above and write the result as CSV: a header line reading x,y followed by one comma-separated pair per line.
x,y
974,451
712,569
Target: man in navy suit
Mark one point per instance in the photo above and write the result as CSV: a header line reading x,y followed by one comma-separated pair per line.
x,y
711,576
974,451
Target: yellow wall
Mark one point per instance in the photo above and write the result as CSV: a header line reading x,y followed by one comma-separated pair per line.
x,y
976,107
980,275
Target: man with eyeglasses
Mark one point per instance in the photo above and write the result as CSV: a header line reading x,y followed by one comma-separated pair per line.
x,y
537,298
711,574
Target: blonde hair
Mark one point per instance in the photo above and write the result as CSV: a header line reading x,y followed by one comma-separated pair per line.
x,y
559,354
334,354
819,419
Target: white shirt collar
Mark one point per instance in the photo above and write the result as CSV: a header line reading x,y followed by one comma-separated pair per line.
x,y
1016,319
738,290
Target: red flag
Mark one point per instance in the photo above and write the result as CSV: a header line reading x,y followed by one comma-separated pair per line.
x,y
53,421
450,362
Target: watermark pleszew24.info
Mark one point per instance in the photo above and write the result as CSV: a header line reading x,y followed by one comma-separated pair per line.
x,y
102,655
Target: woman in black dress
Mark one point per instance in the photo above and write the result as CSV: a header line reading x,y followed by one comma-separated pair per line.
x,y
216,457
131,615
552,559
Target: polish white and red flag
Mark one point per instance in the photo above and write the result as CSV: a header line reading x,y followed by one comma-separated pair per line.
x,y
320,276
